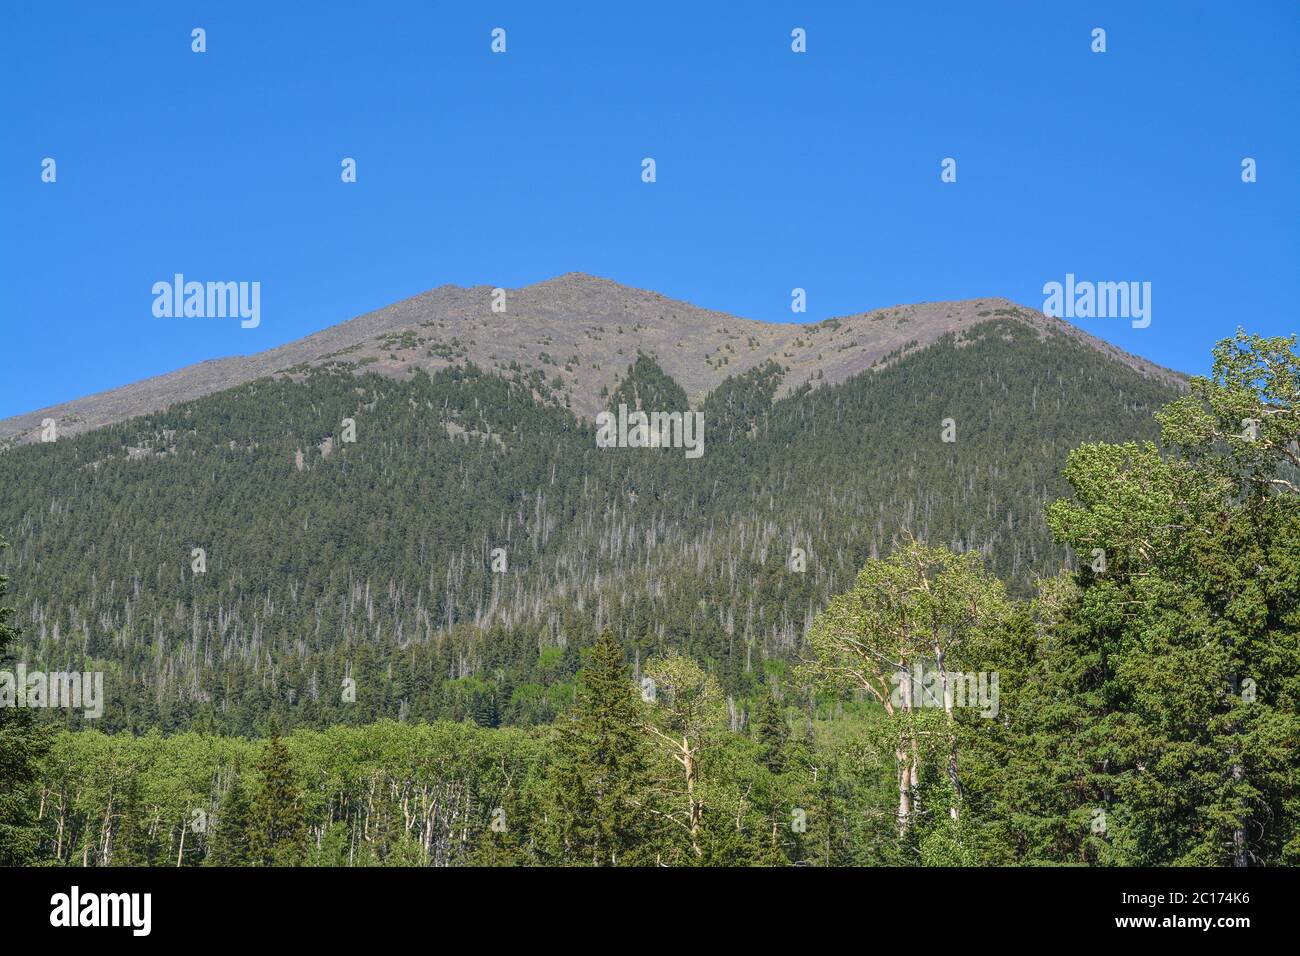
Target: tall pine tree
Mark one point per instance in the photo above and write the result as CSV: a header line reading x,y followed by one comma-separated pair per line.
x,y
230,836
279,833
22,747
596,808
1193,618
771,734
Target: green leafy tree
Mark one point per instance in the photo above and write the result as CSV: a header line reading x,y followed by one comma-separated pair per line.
x,y
1192,620
907,623
684,718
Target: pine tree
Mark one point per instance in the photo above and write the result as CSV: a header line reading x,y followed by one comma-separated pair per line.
x,y
771,734
22,747
483,710
230,837
1191,620
498,845
279,833
130,844
595,802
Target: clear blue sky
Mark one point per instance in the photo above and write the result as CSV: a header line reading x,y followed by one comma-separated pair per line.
x,y
775,170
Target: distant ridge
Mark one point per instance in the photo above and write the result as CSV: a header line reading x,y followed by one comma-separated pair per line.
x,y
582,332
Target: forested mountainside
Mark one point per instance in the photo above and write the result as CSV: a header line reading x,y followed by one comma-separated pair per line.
x,y
581,332
328,563
1139,708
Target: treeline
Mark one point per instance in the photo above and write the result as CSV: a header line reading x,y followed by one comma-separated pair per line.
x,y
346,582
600,787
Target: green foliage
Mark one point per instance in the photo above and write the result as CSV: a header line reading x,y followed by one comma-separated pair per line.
x,y
1148,683
132,846
684,719
278,833
595,797
22,748
647,386
1190,633
771,734
372,563
231,843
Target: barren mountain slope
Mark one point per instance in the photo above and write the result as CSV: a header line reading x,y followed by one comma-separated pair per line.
x,y
582,332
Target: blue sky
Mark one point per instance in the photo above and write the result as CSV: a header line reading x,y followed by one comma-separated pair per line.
x,y
775,170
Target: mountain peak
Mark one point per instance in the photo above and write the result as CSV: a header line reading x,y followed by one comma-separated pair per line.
x,y
577,280
581,332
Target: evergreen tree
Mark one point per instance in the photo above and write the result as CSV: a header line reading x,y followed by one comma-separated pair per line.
x,y
230,837
279,834
130,848
1035,776
598,788
1193,618
22,748
771,733
499,845
1148,697
426,488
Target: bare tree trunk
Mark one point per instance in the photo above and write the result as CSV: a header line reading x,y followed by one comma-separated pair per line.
x,y
695,808
904,791
1240,853
908,772
952,733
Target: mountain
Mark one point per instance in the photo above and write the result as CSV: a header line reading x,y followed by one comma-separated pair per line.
x,y
441,532
581,332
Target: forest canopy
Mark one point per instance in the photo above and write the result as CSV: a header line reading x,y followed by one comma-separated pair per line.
x,y
1137,703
